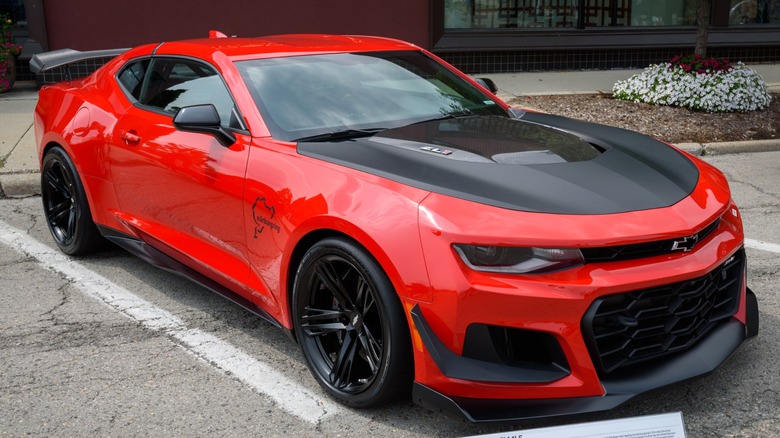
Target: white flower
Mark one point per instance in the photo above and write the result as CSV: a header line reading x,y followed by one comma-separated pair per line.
x,y
737,89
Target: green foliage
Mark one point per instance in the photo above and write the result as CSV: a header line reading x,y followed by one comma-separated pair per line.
x,y
9,50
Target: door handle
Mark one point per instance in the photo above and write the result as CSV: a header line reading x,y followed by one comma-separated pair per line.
x,y
129,137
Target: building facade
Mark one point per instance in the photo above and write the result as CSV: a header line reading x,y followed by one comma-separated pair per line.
x,y
478,36
512,35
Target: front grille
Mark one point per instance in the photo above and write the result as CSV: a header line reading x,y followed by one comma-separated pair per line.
x,y
647,249
629,328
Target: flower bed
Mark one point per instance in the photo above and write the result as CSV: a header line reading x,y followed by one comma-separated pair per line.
x,y
709,85
9,50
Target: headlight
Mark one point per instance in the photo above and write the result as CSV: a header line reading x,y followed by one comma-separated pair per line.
x,y
518,260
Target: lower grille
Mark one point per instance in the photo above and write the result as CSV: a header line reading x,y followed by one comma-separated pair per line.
x,y
626,329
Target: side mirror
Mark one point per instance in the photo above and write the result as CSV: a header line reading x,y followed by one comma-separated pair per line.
x,y
487,83
203,118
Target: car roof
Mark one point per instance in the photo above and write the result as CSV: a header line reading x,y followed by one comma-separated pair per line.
x,y
281,45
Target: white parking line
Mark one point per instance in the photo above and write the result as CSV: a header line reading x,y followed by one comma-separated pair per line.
x,y
288,395
760,244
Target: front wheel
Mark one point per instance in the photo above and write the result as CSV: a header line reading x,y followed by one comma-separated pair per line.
x,y
65,205
351,326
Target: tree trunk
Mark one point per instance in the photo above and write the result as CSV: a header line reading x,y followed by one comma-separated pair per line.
x,y
702,27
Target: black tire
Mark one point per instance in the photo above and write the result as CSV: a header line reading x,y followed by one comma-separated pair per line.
x,y
65,205
351,326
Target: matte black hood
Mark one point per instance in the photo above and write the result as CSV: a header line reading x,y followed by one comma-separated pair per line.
x,y
540,163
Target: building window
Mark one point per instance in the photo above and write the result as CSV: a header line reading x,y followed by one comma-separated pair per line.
x,y
557,14
663,13
506,14
14,9
744,12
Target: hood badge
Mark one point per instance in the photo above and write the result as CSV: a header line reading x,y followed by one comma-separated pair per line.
x,y
685,244
435,150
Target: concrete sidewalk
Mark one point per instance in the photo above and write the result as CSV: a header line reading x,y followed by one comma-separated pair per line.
x,y
589,81
19,161
18,157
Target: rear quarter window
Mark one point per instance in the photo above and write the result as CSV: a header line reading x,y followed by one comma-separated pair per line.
x,y
131,77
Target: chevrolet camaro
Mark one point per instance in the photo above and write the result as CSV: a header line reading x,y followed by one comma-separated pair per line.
x,y
414,234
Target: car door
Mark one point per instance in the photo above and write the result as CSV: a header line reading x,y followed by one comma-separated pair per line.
x,y
182,191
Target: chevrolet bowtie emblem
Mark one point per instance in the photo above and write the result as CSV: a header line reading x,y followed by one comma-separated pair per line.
x,y
685,244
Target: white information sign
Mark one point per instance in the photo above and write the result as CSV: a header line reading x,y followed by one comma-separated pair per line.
x,y
651,426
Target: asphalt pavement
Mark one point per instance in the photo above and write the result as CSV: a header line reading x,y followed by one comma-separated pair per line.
x,y
19,165
109,345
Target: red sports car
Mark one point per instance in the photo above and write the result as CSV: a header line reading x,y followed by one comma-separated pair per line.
x,y
407,228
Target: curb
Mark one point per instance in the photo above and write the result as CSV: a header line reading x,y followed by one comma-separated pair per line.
x,y
20,185
730,147
735,147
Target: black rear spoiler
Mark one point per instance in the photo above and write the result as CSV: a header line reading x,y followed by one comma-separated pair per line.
x,y
43,62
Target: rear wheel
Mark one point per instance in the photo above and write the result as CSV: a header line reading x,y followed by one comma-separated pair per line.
x,y
351,326
65,205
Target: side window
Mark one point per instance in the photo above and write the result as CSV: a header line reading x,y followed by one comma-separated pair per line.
x,y
175,83
132,76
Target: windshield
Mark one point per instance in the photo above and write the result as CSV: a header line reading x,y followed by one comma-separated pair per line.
x,y
306,96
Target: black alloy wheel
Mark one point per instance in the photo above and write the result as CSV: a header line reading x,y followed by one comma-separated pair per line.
x,y
350,325
65,205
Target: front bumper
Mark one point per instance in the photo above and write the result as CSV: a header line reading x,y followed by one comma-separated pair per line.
x,y
695,362
550,339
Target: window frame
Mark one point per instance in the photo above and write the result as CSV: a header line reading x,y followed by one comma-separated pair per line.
x,y
157,110
125,67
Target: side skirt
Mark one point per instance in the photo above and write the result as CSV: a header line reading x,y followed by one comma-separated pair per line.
x,y
155,257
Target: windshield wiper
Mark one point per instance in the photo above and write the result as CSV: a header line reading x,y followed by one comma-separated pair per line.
x,y
461,115
346,134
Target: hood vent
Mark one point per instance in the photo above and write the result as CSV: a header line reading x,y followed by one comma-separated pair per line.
x,y
493,139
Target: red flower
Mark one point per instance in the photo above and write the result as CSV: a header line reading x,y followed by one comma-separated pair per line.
x,y
697,65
